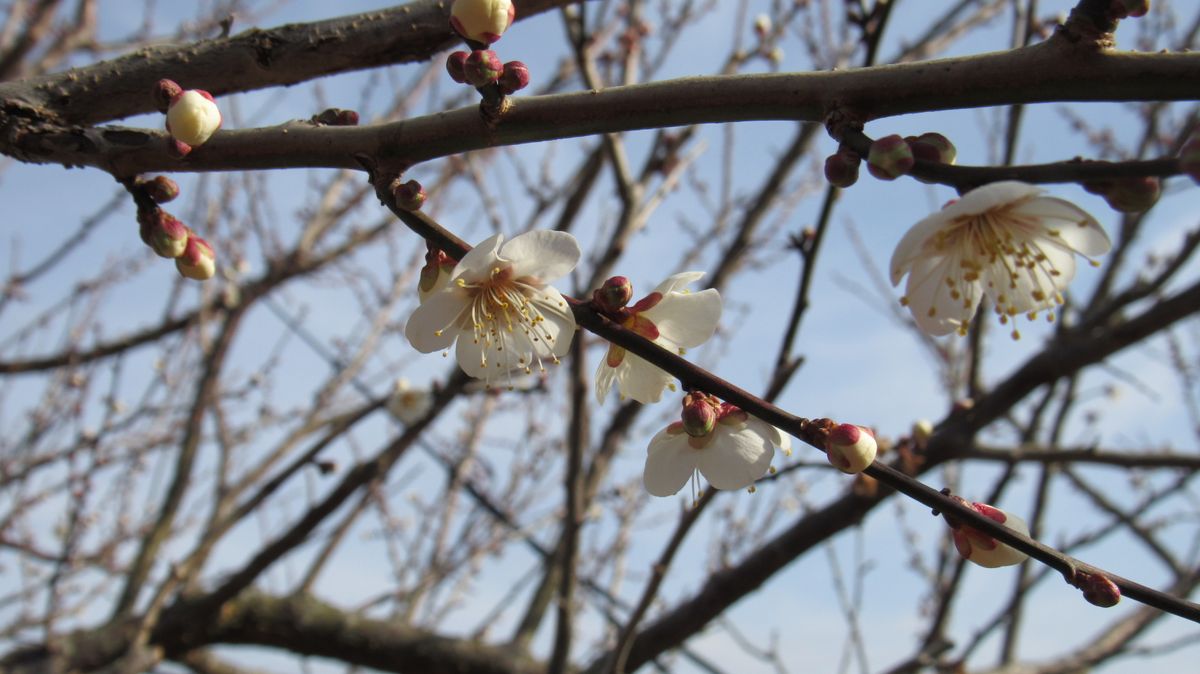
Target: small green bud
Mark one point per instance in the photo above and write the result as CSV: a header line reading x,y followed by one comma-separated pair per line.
x,y
890,158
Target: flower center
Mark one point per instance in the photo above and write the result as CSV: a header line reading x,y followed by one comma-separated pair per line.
x,y
1003,250
503,307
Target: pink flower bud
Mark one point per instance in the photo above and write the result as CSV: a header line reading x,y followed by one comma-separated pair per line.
x,y
456,66
1189,159
1133,195
165,92
841,168
890,158
198,260
1121,9
482,20
850,448
160,188
933,147
976,546
613,295
193,117
165,235
410,195
178,149
514,78
482,67
1098,589
699,414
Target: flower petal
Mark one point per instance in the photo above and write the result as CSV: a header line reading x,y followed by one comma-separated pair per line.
x,y
642,381
542,254
735,459
1075,227
686,319
605,376
432,327
479,261
669,463
933,307
990,196
558,327
912,246
677,282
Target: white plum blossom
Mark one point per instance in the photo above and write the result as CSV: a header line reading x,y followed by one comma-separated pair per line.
x,y
193,117
980,548
482,20
498,307
730,448
671,317
409,404
1004,240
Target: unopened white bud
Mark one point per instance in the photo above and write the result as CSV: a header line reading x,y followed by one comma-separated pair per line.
x,y
850,448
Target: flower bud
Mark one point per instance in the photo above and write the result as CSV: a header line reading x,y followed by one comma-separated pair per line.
x,y
482,67
410,195
1133,195
613,295
850,448
1189,159
160,188
933,147
890,158
435,274
514,78
841,168
166,236
337,117
922,430
198,260
775,56
482,20
762,26
193,117
456,66
1098,589
699,415
1121,9
976,546
178,149
165,92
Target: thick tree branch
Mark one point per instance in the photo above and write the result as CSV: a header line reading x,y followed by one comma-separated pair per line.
x,y
1050,71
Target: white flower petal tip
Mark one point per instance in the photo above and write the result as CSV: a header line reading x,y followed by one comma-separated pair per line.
x,y
979,548
850,448
193,117
671,317
1004,240
482,20
728,447
498,307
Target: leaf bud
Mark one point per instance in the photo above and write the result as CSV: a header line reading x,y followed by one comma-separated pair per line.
x,y
456,66
160,188
890,158
1133,195
613,295
409,195
1098,589
841,168
514,78
482,67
